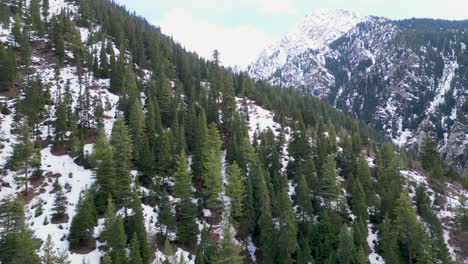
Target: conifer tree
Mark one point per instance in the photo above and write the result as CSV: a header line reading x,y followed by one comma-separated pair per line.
x,y
82,225
345,251
35,13
137,225
45,9
358,199
429,154
104,62
114,234
186,227
4,14
462,213
212,168
389,180
206,251
105,173
363,174
304,198
61,124
24,156
165,102
287,228
12,216
135,256
166,218
60,204
328,188
229,252
264,226
122,153
235,190
388,241
50,256
200,144
410,233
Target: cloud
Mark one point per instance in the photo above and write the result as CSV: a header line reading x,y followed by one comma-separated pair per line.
x,y
278,7
238,45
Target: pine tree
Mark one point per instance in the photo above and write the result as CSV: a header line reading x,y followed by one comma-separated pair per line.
x,y
388,241
24,247
429,154
24,156
287,228
61,122
345,251
114,234
229,252
389,179
12,216
136,122
35,13
212,168
122,153
104,62
45,10
49,254
137,225
166,218
206,252
183,179
363,174
82,225
4,14
105,173
186,227
200,144
462,213
264,227
135,256
165,101
358,199
304,199
410,233
60,205
235,190
328,188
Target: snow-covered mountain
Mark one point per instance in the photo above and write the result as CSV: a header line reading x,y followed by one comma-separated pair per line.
x,y
404,77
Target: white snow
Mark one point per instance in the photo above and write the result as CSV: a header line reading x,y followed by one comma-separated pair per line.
x,y
374,257
444,86
315,32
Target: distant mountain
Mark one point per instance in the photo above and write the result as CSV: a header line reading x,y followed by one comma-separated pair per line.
x,y
408,78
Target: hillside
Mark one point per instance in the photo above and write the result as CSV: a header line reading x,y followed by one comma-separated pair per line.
x,y
119,146
406,78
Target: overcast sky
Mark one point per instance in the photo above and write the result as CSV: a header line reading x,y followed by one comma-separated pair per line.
x,y
240,29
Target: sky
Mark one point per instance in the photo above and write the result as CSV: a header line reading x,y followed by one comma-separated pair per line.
x,y
240,29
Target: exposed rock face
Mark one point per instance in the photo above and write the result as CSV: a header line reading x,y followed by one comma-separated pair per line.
x,y
455,150
396,75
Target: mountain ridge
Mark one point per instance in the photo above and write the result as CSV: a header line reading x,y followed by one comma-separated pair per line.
x,y
357,67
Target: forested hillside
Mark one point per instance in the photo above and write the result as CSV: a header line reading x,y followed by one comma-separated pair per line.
x,y
119,146
406,78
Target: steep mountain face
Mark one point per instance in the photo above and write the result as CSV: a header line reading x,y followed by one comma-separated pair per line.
x,y
407,78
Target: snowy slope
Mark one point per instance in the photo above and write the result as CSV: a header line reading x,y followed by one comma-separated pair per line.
x,y
315,32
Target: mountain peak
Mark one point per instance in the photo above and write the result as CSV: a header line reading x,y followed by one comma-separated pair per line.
x,y
318,29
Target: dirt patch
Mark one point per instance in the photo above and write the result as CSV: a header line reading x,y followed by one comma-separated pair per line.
x,y
27,197
59,219
216,217
84,250
36,181
59,150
